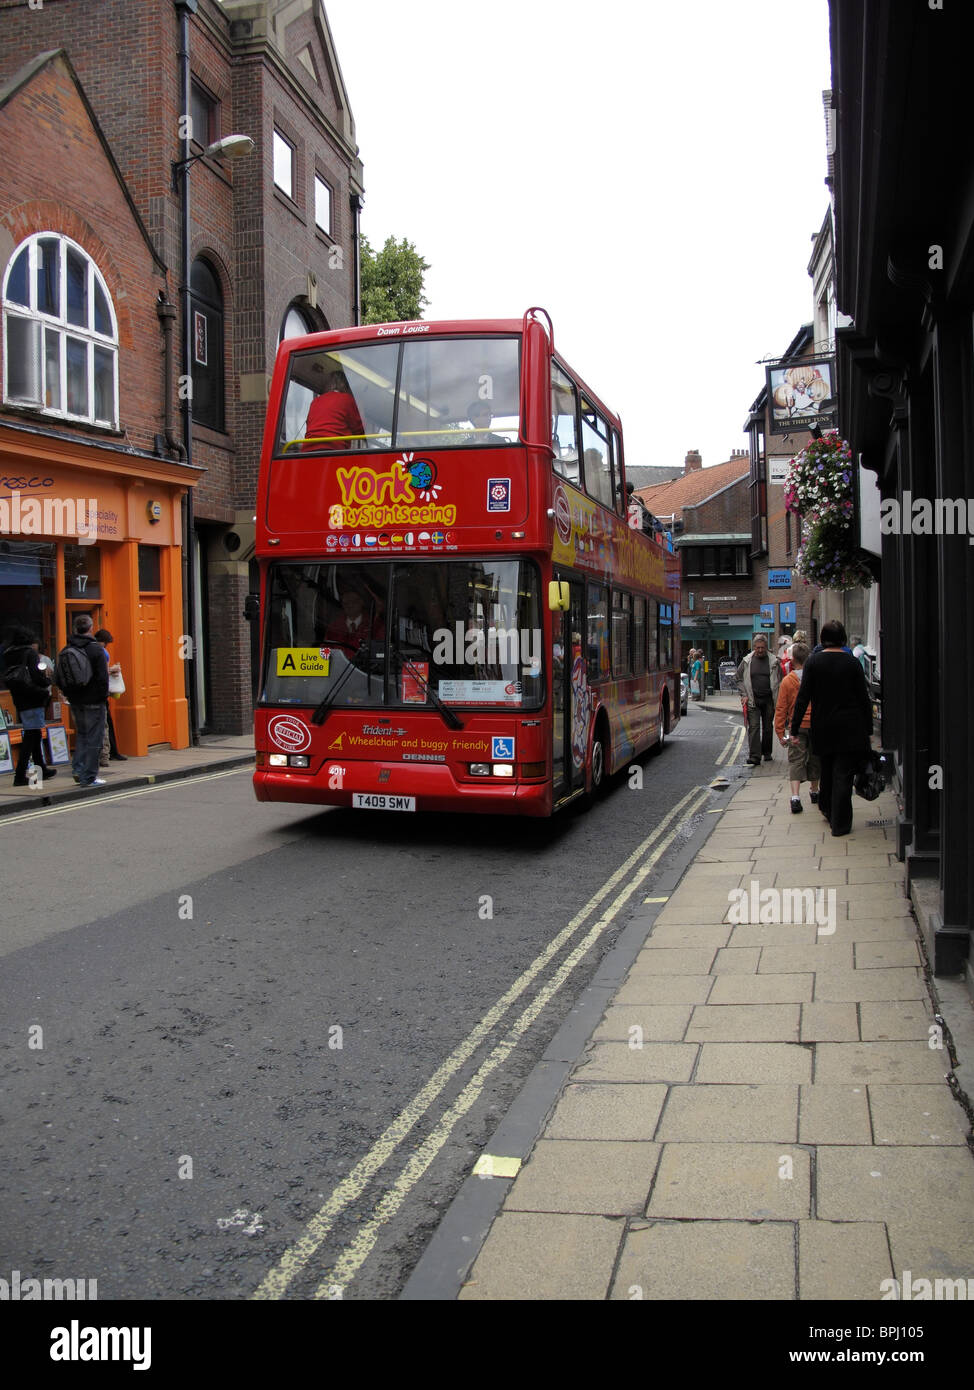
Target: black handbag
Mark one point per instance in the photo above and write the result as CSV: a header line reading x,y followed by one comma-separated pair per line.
x,y
870,780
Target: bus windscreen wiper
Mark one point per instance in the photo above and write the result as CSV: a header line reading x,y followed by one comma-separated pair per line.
x,y
450,719
323,710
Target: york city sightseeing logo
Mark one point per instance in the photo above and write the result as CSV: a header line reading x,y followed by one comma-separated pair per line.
x,y
406,494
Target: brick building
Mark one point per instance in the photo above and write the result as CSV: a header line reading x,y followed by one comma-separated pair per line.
x,y
273,241
90,494
785,602
720,589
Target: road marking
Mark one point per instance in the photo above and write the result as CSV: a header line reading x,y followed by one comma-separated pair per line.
x,y
294,1259
84,803
353,1257
730,751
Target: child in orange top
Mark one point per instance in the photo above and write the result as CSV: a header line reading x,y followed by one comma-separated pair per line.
x,y
803,765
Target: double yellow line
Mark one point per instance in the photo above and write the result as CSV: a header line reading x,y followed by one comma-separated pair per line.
x,y
297,1256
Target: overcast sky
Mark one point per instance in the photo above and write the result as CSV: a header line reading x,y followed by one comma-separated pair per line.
x,y
651,173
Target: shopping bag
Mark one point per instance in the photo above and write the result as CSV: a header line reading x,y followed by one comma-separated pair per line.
x,y
116,683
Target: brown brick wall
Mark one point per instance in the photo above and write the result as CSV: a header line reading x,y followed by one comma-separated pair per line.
x,y
125,53
57,178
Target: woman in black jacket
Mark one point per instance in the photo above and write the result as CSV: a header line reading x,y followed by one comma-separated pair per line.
x,y
842,722
30,697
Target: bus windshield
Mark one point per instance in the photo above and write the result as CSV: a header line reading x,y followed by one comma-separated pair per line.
x,y
469,631
452,392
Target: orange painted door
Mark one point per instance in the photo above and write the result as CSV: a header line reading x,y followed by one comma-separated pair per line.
x,y
150,635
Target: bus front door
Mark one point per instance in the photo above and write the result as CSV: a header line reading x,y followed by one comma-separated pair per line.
x,y
570,695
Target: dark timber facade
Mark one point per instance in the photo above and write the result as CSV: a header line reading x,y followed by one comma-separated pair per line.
x,y
904,200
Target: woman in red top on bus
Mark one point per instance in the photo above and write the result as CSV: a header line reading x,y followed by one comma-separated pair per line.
x,y
333,416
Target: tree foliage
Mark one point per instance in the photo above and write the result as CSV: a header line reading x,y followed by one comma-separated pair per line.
x,y
392,282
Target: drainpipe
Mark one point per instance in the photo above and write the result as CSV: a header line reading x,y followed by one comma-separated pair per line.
x,y
356,205
185,8
167,317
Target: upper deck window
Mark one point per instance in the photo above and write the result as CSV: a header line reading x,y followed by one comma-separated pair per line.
x,y
437,393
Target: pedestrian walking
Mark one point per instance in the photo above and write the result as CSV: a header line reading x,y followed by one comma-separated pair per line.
x,y
758,678
30,686
696,673
116,688
82,674
834,685
784,654
803,764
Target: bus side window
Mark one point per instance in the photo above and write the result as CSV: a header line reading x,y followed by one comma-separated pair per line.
x,y
597,653
564,429
639,635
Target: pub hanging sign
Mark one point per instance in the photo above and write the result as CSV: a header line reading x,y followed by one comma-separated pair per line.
x,y
801,395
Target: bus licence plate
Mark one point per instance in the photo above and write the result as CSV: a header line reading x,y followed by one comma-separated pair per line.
x,y
382,801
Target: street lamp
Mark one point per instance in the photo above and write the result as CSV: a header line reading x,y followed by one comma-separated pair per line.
x,y
229,147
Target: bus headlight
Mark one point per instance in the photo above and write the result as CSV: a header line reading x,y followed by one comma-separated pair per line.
x,y
503,769
278,760
480,769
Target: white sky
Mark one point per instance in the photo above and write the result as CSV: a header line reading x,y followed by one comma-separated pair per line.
x,y
651,173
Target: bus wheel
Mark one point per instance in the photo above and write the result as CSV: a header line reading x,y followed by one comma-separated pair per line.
x,y
599,761
664,725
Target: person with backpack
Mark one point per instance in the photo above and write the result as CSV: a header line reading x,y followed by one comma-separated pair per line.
x,y
81,672
29,684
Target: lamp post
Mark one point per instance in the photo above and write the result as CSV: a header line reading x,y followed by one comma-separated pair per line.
x,y
230,147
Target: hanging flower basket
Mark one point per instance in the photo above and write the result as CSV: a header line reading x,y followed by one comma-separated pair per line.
x,y
828,556
819,490
819,481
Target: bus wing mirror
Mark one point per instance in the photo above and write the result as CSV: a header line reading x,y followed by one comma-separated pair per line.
x,y
251,607
559,595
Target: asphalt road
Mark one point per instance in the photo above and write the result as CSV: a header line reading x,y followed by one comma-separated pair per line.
x,y
237,1001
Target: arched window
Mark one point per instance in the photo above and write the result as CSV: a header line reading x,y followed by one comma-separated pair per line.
x,y
206,300
296,323
60,333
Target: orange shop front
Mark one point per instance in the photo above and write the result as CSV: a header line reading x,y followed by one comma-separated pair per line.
x,y
103,540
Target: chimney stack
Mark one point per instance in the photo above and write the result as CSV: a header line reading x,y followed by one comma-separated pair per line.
x,y
692,462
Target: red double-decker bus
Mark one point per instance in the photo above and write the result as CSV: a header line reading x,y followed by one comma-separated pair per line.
x,y
461,608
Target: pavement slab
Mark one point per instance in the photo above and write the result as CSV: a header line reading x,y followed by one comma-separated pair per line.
x,y
742,1182
906,1018
696,1260
834,1115
842,1260
656,1022
925,1184
860,1062
706,1114
754,1063
762,989
916,1115
829,1023
531,1257
595,1177
612,1061
745,1023
607,1111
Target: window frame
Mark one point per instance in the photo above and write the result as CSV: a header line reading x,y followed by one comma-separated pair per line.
x,y
64,331
278,134
318,178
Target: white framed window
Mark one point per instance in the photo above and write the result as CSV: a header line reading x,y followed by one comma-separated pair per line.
x,y
60,347
283,164
322,205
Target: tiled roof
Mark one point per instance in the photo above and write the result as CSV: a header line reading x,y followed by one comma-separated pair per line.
x,y
695,487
